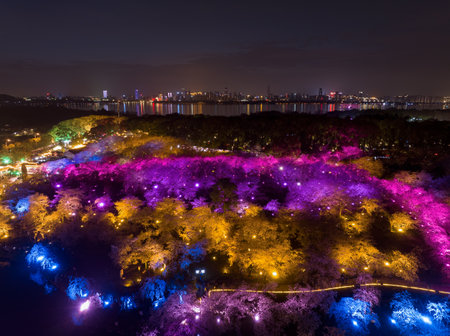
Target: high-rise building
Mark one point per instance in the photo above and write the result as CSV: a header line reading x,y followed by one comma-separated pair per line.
x,y
136,94
105,94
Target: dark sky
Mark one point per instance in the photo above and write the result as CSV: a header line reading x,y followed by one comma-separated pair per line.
x,y
81,47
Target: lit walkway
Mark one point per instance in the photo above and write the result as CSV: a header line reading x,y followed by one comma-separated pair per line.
x,y
371,284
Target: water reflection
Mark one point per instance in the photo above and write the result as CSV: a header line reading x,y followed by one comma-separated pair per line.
x,y
151,108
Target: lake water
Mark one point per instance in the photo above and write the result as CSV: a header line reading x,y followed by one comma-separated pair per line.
x,y
150,108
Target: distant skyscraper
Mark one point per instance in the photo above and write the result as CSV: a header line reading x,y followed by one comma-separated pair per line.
x,y
136,94
105,94
320,92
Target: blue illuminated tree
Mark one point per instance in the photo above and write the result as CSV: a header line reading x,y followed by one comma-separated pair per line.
x,y
41,257
78,288
153,289
413,322
127,303
440,311
353,315
22,205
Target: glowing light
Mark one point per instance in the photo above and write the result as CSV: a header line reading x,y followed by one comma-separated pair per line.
x,y
6,160
218,320
197,317
426,319
274,274
85,306
393,321
40,258
400,230
257,317
386,263
101,204
355,323
197,185
281,168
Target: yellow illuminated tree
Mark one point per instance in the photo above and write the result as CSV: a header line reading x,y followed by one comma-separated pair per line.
x,y
357,256
142,249
356,223
374,167
370,205
128,211
166,219
5,216
401,222
261,246
404,266
69,204
37,216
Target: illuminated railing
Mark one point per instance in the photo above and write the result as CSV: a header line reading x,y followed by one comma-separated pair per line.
x,y
372,284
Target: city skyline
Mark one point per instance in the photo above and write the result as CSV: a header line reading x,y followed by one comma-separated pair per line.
x,y
172,94
77,48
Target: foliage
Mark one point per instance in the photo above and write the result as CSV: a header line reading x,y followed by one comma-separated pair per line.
x,y
77,288
411,321
374,167
153,289
401,222
353,315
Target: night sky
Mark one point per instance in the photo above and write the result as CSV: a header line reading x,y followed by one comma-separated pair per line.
x,y
82,47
